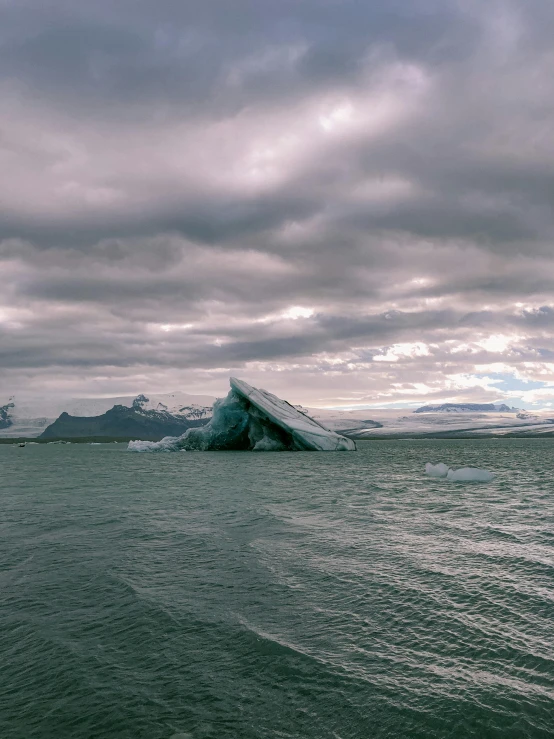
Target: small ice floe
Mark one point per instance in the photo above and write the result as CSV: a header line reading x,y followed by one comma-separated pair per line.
x,y
464,474
437,470
469,474
167,444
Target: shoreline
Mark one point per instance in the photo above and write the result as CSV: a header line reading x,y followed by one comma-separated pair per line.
x,y
455,436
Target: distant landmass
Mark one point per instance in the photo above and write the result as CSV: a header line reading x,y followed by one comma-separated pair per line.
x,y
157,414
123,422
153,416
467,408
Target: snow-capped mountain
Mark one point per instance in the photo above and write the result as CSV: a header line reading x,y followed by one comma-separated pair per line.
x,y
467,408
29,417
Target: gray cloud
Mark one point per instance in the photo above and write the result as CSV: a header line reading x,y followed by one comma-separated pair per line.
x,y
348,203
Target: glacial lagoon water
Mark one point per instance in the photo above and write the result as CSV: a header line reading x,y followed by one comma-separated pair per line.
x,y
276,596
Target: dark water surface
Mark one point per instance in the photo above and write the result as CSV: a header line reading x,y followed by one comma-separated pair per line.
x,y
240,595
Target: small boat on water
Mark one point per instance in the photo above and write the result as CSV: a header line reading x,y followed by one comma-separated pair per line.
x,y
22,443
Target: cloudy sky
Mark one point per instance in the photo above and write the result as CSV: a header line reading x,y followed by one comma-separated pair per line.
x,y
347,203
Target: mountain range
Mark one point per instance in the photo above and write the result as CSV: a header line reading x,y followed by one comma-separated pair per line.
x,y
467,408
151,417
122,422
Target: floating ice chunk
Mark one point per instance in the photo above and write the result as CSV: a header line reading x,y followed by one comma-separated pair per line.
x,y
464,474
167,444
470,474
437,470
255,420
306,433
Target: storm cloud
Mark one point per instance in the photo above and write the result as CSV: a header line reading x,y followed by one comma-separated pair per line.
x,y
348,203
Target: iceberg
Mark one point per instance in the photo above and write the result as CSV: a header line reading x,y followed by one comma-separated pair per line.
x,y
470,474
463,474
437,470
254,420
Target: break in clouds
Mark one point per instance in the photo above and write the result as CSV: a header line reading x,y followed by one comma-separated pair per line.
x,y
347,203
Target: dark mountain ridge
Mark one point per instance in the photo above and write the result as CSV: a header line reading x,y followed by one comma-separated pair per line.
x,y
121,422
